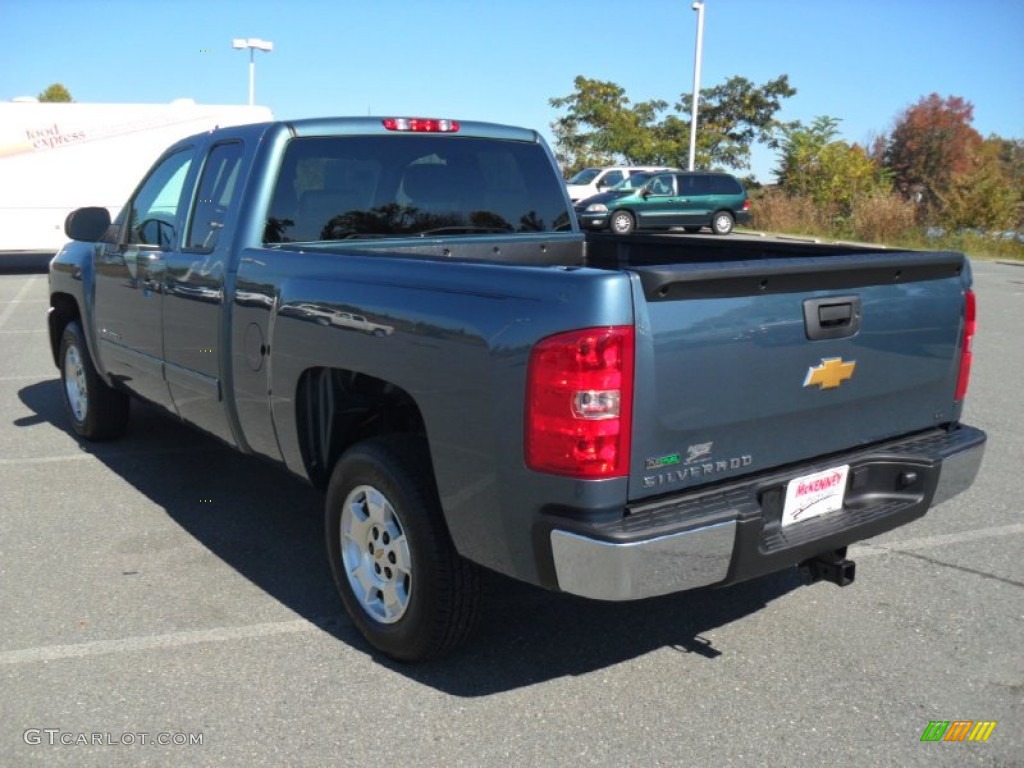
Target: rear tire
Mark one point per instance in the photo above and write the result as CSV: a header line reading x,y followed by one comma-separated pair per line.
x,y
622,223
97,411
407,590
722,223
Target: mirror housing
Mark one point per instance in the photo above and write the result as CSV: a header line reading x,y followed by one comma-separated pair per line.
x,y
87,224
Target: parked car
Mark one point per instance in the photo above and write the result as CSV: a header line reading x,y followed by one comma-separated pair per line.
x,y
593,181
691,200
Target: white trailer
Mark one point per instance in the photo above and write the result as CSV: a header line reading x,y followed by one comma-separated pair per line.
x,y
58,157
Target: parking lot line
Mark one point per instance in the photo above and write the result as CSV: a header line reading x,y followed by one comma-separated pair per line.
x,y
12,305
145,643
868,549
119,454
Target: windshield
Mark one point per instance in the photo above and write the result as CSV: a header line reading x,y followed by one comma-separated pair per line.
x,y
585,176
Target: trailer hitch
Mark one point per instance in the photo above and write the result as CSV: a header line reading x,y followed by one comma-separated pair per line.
x,y
828,566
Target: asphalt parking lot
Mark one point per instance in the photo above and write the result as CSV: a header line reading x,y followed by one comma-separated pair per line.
x,y
163,588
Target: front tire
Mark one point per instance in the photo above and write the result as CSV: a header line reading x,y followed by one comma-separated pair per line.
x,y
405,587
622,223
97,411
722,223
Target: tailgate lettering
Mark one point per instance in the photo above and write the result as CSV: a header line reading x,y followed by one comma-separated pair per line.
x,y
698,470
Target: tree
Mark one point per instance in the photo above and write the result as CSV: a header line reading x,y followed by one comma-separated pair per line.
x,y
834,175
983,196
931,143
601,126
734,115
55,93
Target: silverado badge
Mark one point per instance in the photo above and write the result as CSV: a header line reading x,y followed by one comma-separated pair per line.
x,y
830,374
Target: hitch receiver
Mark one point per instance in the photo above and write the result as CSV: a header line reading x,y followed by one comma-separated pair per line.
x,y
829,566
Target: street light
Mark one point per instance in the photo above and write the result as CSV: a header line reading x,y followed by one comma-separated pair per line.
x,y
253,44
699,8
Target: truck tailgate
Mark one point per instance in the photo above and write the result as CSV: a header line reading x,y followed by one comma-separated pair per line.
x,y
746,366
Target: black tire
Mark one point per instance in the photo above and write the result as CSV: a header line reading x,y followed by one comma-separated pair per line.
x,y
402,547
722,223
691,230
96,410
622,223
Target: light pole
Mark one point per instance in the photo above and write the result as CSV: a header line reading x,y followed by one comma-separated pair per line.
x,y
253,44
699,8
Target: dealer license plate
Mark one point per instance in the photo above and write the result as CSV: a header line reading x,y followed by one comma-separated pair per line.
x,y
813,495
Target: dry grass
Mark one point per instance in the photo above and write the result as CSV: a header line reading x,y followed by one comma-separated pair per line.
x,y
883,219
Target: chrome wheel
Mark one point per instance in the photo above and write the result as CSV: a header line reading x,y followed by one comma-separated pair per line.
x,y
75,385
375,554
622,223
722,223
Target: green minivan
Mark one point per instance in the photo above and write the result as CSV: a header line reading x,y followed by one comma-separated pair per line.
x,y
691,200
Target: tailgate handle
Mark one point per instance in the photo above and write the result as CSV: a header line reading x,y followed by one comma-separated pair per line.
x,y
834,317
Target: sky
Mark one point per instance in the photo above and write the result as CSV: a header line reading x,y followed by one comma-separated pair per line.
x,y
862,62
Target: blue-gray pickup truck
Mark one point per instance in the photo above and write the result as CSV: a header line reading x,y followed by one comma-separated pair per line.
x,y
405,313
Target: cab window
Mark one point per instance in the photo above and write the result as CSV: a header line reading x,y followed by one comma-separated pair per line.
x,y
610,179
217,188
662,185
153,213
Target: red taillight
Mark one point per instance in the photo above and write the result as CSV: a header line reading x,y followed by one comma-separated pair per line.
x,y
579,403
746,204
966,353
420,125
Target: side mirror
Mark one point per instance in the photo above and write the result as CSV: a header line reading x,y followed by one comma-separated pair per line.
x,y
87,224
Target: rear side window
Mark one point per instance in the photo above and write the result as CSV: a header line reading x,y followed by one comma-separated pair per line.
x,y
725,185
217,188
695,185
348,187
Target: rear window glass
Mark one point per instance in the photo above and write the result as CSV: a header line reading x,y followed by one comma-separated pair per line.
x,y
348,187
725,185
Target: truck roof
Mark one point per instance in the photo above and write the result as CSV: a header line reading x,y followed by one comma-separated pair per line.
x,y
375,125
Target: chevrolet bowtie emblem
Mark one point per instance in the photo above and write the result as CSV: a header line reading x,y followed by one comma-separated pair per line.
x,y
830,374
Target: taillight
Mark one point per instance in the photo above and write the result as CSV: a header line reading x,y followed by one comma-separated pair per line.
x,y
420,125
579,403
966,352
746,205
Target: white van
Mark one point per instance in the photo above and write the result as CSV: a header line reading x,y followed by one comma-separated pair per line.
x,y
591,181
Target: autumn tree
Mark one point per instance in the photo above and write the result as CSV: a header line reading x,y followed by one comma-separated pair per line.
x,y
601,125
983,196
931,143
55,93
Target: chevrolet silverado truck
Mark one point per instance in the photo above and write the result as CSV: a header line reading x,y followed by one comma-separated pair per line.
x,y
405,313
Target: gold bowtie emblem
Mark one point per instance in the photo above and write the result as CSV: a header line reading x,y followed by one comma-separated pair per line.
x,y
830,374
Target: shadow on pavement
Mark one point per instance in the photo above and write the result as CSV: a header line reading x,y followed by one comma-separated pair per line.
x,y
266,524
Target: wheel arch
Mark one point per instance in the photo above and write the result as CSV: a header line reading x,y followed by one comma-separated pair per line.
x,y
63,310
336,408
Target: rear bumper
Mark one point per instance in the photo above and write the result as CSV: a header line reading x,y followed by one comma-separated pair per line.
x,y
732,532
